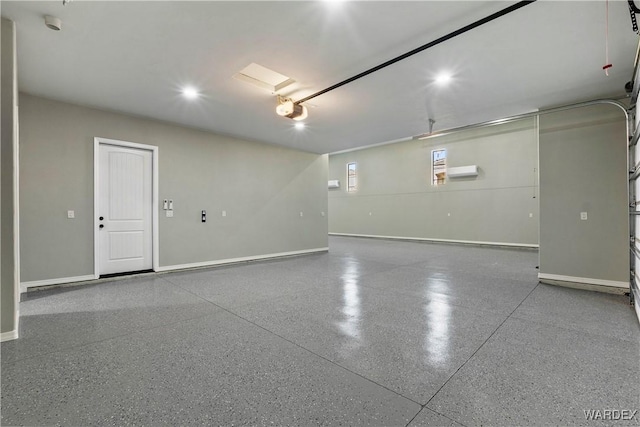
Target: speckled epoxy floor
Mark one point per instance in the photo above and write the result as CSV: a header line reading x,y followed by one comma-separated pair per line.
x,y
374,333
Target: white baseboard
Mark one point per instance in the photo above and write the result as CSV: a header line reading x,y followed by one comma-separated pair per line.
x,y
47,282
427,239
37,283
585,280
237,260
8,336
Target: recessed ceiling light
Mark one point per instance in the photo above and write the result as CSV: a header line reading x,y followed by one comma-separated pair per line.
x,y
443,78
299,125
190,92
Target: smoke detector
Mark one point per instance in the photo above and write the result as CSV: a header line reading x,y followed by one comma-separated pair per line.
x,y
53,23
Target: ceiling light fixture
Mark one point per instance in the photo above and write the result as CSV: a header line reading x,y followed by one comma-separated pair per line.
x,y
53,23
443,78
299,125
287,108
190,92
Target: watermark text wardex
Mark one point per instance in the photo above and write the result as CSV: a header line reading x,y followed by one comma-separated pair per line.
x,y
610,414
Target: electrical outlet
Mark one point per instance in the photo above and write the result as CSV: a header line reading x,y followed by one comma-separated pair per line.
x,y
583,216
169,214
224,213
71,214
530,215
301,214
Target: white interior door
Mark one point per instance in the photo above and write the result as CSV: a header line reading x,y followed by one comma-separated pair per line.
x,y
125,229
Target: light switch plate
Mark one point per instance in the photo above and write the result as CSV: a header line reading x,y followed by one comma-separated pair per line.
x,y
71,214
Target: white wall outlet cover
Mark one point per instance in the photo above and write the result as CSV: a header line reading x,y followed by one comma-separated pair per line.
x,y
322,213
301,214
583,216
71,214
224,213
530,215
169,214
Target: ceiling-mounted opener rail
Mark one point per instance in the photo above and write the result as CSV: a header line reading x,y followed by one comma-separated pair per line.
x,y
435,42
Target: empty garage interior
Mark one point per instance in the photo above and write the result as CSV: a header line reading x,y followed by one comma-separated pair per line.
x,y
319,213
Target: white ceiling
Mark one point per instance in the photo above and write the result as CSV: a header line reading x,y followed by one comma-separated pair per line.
x,y
134,57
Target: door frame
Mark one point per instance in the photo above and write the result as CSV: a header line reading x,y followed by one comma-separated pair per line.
x,y
97,141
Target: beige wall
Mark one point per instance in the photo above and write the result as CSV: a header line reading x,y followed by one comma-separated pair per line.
x,y
395,196
262,188
583,168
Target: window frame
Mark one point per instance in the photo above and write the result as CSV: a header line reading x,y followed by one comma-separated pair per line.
x,y
354,187
435,181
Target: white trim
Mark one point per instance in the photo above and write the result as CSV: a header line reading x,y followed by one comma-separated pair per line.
x,y
637,307
155,178
237,260
585,280
96,208
16,192
127,144
47,282
8,336
155,201
428,239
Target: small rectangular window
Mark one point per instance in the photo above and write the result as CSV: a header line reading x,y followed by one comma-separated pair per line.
x,y
352,177
438,166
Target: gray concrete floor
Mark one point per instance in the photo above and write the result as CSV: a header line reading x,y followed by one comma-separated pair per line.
x,y
373,333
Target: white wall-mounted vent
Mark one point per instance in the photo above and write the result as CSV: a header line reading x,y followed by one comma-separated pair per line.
x,y
263,77
462,171
334,183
